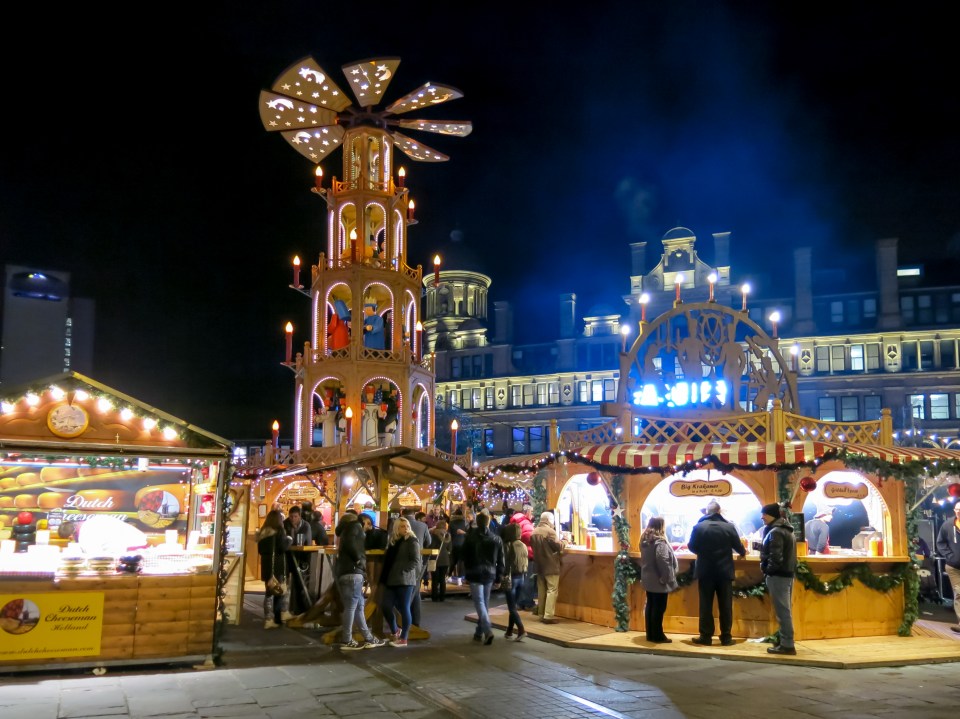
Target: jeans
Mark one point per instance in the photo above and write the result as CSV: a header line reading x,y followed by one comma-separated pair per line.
x,y
722,589
274,606
512,595
480,594
351,594
438,584
953,574
397,598
653,612
548,586
781,592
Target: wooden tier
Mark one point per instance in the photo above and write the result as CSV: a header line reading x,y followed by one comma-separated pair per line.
x,y
586,590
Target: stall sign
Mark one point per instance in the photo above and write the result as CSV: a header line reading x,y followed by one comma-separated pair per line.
x,y
715,488
844,490
682,394
40,625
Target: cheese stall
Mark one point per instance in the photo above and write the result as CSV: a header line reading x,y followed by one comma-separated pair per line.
x,y
114,545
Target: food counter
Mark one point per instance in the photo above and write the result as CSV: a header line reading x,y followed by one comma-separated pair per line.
x,y
112,533
861,506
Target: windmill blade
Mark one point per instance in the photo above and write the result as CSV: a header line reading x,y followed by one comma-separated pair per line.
x,y
305,80
279,112
417,150
370,78
317,143
426,96
457,128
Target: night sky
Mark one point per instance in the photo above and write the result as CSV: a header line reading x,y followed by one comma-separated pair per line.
x,y
134,158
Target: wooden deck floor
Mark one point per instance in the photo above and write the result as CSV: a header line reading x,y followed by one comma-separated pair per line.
x,y
931,643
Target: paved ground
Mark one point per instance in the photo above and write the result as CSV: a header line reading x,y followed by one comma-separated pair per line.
x,y
285,673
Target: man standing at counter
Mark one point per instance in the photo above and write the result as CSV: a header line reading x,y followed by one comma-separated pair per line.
x,y
948,547
778,562
714,540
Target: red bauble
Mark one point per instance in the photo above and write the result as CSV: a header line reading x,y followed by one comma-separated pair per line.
x,y
25,518
954,490
808,484
593,479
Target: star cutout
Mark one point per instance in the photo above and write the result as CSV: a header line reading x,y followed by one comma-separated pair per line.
x,y
618,512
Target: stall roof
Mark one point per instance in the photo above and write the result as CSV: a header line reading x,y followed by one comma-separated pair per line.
x,y
520,460
745,454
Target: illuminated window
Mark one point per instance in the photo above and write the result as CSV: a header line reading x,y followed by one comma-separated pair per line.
x,y
916,406
488,441
939,406
583,392
519,440
838,358
849,409
609,390
871,407
856,358
828,409
516,395
528,394
488,401
873,357
536,439
542,394
596,393
553,389
453,398
823,359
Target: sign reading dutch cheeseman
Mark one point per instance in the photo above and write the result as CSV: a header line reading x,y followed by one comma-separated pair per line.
x,y
715,488
50,624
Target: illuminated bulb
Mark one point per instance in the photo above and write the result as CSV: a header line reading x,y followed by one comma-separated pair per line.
x,y
7,407
81,395
126,413
149,423
104,405
33,400
57,393
169,433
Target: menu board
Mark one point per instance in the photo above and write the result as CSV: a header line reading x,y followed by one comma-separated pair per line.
x,y
796,519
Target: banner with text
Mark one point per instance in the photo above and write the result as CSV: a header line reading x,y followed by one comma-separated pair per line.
x,y
50,624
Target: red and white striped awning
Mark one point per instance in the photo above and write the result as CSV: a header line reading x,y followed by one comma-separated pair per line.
x,y
746,454
526,461
651,456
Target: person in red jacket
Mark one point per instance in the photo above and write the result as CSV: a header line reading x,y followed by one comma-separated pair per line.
x,y
524,518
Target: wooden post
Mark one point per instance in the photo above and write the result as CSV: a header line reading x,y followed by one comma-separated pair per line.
x,y
778,432
886,428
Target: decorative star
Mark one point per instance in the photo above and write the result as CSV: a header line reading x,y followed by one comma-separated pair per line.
x,y
618,512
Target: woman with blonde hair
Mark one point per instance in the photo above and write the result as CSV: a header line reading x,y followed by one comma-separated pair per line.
x,y
402,569
658,574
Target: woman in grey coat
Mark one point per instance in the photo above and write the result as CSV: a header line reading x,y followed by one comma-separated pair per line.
x,y
402,569
658,574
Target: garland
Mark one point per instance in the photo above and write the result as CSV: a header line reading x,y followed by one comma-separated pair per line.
x,y
538,494
625,572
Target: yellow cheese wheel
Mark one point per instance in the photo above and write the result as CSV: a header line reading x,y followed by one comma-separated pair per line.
x,y
52,474
179,491
93,471
25,501
27,479
51,500
8,482
6,502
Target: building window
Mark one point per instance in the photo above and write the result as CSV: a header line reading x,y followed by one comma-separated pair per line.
x,y
488,401
536,439
596,394
553,390
916,406
519,440
908,354
838,358
823,359
956,405
516,395
869,308
488,441
948,354
924,310
465,399
836,312
907,310
849,409
583,392
542,394
528,394
828,409
452,398
455,367
872,406
926,355
939,406
873,357
609,390
478,365
475,398
856,358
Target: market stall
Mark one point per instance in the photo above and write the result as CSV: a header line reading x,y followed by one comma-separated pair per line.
x,y
113,547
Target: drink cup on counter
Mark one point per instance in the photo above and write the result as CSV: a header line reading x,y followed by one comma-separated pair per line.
x,y
299,539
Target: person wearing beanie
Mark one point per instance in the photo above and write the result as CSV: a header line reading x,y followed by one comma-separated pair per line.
x,y
547,550
715,540
778,562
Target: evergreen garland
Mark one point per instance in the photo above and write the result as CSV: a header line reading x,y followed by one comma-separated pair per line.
x,y
625,572
538,494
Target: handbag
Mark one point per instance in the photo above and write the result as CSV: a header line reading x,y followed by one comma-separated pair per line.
x,y
274,586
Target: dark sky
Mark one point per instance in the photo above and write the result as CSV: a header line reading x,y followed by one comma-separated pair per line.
x,y
134,157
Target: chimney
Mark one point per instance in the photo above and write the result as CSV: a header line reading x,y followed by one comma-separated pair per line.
x,y
503,323
721,249
568,315
638,258
803,323
889,291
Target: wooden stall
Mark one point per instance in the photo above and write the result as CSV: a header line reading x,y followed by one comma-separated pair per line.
x,y
112,537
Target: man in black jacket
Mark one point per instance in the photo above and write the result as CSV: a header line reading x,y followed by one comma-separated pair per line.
x,y
315,521
778,562
715,540
350,569
948,547
483,567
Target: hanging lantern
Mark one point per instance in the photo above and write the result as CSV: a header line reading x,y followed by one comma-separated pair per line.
x,y
808,484
593,479
954,490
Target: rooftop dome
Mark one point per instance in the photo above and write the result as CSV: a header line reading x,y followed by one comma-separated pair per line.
x,y
678,233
